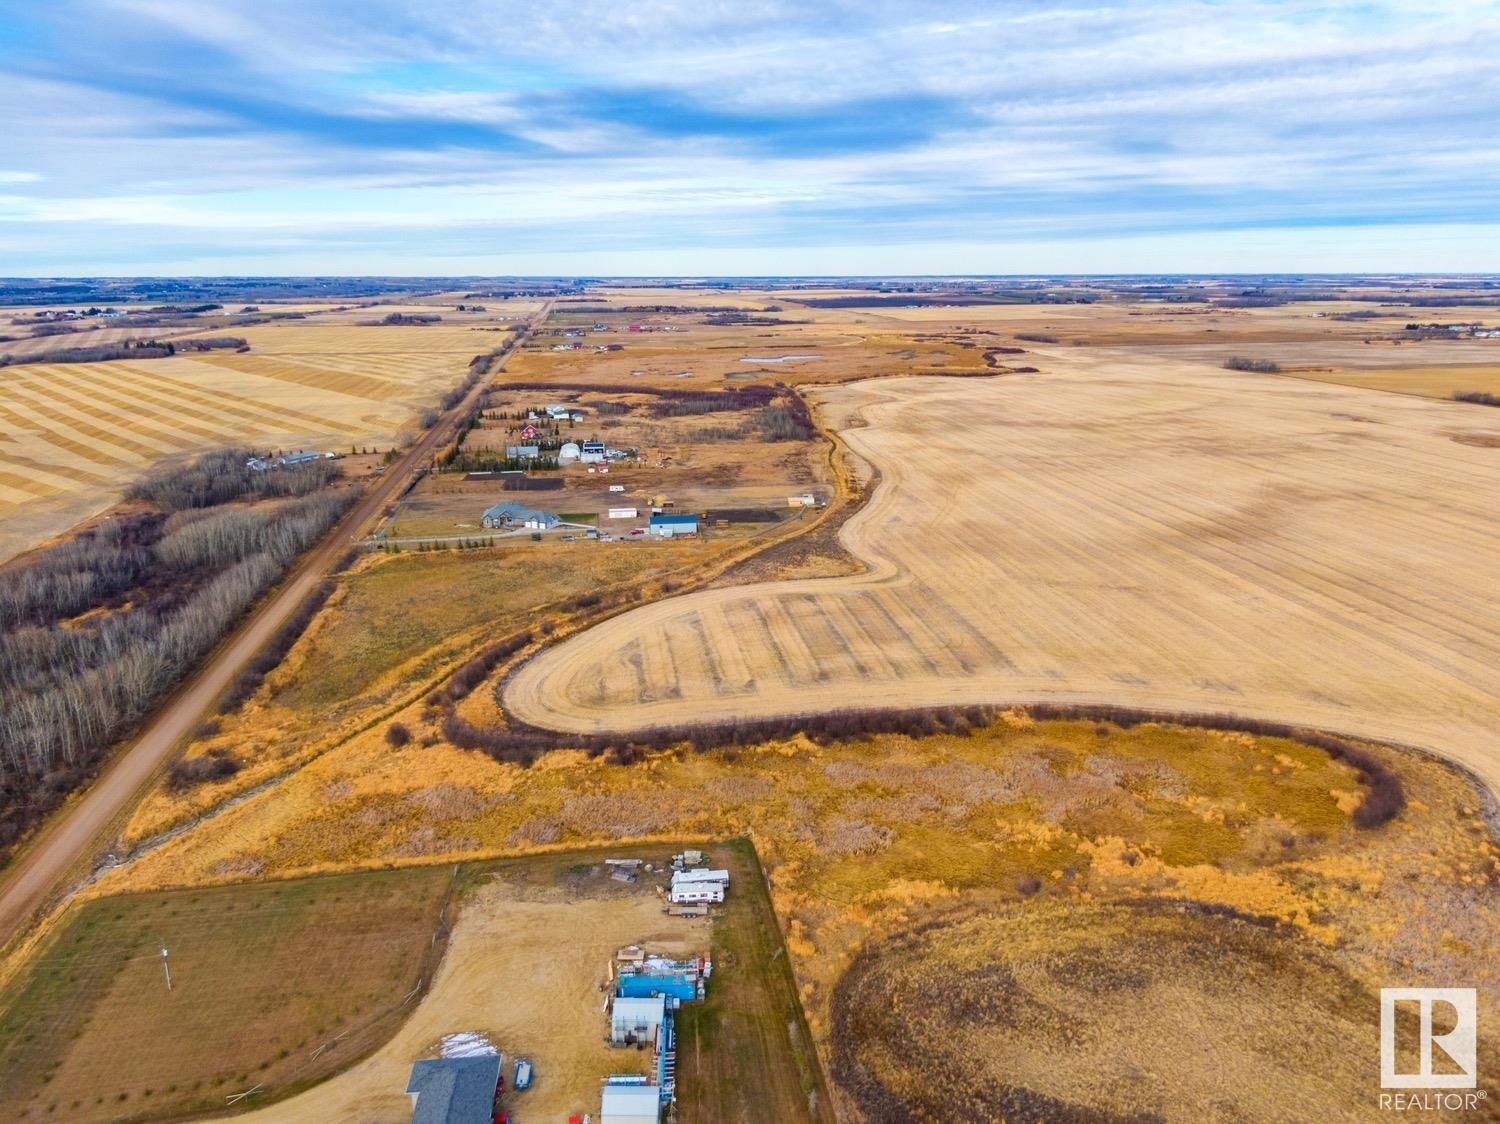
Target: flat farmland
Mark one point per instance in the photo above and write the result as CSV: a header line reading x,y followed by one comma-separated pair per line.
x,y
1118,529
73,436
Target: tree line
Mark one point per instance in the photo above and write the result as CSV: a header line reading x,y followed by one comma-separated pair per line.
x,y
96,630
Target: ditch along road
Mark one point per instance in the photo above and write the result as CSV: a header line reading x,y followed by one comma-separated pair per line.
x,y
63,851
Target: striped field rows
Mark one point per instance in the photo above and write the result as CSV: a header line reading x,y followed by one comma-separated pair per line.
x,y
73,436
1117,529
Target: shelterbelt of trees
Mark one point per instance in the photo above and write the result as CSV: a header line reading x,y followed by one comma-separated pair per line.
x,y
95,630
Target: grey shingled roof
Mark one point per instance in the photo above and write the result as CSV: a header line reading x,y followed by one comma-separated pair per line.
x,y
454,1090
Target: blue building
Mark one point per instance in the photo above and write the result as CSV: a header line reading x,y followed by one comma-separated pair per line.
x,y
680,984
666,526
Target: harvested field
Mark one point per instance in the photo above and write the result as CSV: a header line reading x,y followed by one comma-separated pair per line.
x,y
1117,529
77,434
262,975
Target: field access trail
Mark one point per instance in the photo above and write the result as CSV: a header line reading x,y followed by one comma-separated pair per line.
x,y
1118,529
75,835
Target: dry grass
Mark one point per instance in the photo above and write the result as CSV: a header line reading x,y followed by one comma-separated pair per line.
x,y
397,624
1119,530
261,977
867,839
1065,1012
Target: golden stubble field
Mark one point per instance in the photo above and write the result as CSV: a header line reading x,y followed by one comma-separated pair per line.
x,y
1118,529
73,436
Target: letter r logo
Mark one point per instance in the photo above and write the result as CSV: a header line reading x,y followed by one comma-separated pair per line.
x,y
1458,1045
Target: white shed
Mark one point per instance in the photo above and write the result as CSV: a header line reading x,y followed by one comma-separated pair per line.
x,y
630,1104
640,1019
623,513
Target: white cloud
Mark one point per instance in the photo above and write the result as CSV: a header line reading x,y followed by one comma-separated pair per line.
x,y
1078,119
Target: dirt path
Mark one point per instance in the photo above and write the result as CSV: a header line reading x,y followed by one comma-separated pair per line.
x,y
75,836
1118,529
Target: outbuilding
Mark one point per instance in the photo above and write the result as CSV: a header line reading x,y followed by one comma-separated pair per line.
x,y
592,452
669,526
630,1104
636,1019
622,513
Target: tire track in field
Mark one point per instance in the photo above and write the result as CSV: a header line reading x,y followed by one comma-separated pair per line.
x,y
1122,530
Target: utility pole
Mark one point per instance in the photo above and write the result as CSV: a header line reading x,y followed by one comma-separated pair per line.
x,y
166,971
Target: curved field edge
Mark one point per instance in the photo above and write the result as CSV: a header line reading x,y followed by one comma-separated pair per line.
x,y
1236,604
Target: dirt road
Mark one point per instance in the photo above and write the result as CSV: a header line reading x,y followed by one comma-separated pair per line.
x,y
1113,530
77,834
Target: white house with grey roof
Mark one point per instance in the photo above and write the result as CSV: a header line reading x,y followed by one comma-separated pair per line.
x,y
515,515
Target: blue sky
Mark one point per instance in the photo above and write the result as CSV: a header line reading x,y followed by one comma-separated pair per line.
x,y
733,136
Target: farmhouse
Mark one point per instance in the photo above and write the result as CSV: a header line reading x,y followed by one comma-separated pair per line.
x,y
291,460
514,515
559,413
454,1090
528,432
669,526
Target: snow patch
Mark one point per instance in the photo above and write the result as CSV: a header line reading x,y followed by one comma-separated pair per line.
x,y
466,1044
